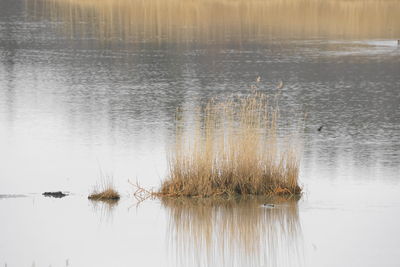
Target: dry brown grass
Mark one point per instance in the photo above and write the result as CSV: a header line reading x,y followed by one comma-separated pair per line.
x,y
108,194
104,191
233,149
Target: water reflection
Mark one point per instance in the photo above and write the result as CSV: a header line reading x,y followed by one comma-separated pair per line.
x,y
218,21
104,209
236,232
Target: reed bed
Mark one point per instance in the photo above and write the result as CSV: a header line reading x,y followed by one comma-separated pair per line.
x,y
233,149
220,21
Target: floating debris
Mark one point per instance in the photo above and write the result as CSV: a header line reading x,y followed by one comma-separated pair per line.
x,y
11,196
57,194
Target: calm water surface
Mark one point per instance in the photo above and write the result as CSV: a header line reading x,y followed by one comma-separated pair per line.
x,y
78,98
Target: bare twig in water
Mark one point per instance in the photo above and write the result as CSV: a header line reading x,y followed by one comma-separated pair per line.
x,y
141,193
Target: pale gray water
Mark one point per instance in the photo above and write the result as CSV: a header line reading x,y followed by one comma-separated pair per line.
x,y
72,106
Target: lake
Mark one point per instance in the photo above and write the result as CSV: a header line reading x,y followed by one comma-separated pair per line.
x,y
91,87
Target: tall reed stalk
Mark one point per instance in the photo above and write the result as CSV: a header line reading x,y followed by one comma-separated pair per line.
x,y
233,149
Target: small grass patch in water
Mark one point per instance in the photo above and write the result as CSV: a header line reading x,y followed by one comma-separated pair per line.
x,y
108,194
105,191
233,147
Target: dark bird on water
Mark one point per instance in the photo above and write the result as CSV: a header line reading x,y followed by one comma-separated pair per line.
x,y
320,128
268,205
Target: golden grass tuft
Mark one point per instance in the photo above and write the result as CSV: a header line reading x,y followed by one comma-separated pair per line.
x,y
108,194
105,192
233,149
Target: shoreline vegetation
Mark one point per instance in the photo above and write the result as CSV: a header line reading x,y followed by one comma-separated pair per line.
x,y
232,148
222,21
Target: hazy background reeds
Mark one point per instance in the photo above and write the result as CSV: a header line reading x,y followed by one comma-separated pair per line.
x,y
232,147
220,21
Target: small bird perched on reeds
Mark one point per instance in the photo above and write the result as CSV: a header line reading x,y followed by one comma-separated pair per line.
x,y
280,85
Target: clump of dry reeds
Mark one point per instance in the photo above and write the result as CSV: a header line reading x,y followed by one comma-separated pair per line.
x,y
104,191
233,149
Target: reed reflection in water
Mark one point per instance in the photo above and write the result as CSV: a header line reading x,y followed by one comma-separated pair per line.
x,y
236,232
104,209
216,21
